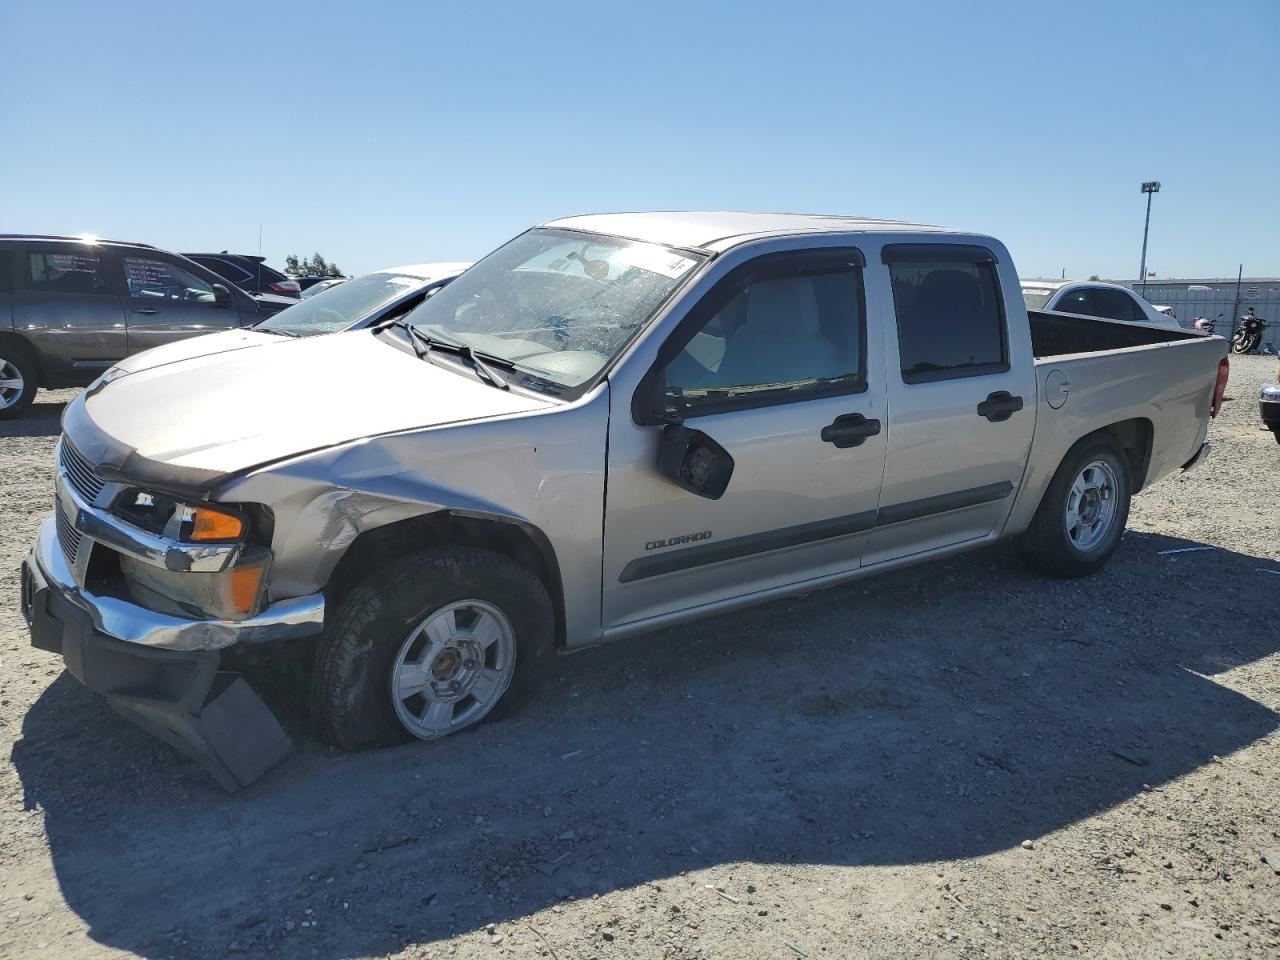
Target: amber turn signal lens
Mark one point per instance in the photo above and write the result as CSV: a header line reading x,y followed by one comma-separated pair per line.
x,y
207,524
245,581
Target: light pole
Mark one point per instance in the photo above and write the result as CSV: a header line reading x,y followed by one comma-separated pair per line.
x,y
1148,187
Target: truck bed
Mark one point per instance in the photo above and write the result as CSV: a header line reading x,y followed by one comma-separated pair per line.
x,y
1055,334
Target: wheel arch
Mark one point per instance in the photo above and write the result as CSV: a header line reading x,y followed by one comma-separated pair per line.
x,y
518,540
8,337
1136,438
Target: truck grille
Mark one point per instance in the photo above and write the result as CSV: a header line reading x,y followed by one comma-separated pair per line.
x,y
80,473
68,536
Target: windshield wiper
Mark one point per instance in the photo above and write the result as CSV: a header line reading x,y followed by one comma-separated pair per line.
x,y
478,360
278,332
483,369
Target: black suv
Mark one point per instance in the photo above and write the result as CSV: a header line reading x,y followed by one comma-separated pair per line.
x,y
248,273
71,307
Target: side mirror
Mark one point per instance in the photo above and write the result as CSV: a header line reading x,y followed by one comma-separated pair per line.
x,y
221,295
692,460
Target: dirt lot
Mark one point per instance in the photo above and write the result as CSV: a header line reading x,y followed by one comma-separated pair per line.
x,y
957,761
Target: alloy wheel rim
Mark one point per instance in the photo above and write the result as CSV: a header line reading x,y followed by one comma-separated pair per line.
x,y
12,384
1091,506
452,668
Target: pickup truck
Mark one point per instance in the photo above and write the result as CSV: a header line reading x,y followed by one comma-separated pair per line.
x,y
610,424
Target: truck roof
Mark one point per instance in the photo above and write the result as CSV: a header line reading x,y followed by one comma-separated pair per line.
x,y
721,229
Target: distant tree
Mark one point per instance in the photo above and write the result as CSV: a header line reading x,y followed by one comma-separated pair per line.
x,y
312,266
1094,276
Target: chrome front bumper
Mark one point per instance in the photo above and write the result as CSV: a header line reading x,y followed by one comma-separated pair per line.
x,y
131,623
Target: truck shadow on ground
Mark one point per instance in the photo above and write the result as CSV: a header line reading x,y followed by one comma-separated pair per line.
x,y
42,419
943,712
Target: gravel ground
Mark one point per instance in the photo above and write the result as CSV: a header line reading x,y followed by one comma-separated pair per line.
x,y
957,761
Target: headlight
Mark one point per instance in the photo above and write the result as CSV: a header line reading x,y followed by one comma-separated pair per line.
x,y
191,523
232,594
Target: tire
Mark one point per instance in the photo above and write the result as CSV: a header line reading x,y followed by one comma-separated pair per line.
x,y
17,366
378,636
1051,544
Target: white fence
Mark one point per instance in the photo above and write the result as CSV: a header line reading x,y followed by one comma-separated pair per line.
x,y
1189,304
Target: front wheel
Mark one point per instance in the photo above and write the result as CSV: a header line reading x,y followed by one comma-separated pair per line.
x,y
1083,514
428,647
1245,343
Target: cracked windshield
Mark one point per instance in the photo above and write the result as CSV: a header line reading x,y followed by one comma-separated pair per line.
x,y
557,304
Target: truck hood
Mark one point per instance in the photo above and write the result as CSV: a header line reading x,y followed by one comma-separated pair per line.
x,y
184,423
208,344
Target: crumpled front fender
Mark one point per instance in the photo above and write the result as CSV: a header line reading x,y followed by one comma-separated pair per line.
x,y
543,473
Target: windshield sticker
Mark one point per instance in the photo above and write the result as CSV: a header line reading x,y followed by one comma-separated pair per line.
x,y
1035,292
404,281
655,260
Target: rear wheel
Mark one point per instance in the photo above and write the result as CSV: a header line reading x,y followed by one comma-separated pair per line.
x,y
18,380
1083,514
430,646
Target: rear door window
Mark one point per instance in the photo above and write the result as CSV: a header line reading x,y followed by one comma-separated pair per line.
x,y
1079,301
55,271
949,311
1139,314
1115,305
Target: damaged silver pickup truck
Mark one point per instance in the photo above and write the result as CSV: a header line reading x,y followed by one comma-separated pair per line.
x,y
610,424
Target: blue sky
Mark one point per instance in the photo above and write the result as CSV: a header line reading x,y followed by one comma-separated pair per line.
x,y
387,133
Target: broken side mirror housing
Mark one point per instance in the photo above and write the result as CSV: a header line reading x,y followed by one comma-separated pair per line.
x,y
692,460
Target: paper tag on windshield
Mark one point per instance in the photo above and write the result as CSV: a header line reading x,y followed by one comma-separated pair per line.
x,y
655,260
404,281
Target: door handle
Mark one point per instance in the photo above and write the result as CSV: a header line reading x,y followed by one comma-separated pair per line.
x,y
999,406
850,430
146,310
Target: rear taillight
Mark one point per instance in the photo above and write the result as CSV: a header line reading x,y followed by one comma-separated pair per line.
x,y
286,286
1220,388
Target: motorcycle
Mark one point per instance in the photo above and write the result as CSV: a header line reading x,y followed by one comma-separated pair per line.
x,y
1204,326
1248,336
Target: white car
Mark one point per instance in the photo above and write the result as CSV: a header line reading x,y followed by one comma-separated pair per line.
x,y
363,301
1090,298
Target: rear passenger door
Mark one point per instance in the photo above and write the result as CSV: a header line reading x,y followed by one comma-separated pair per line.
x,y
961,408
65,303
167,300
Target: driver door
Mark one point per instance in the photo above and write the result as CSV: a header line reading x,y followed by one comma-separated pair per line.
x,y
166,300
770,364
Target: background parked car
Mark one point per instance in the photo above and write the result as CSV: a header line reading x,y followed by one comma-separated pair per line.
x,y
312,289
71,307
248,273
1091,298
365,300
312,279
